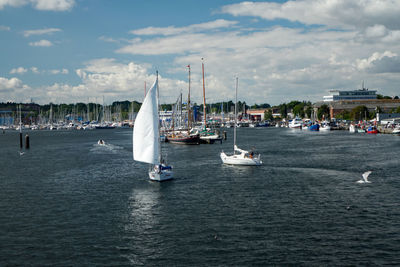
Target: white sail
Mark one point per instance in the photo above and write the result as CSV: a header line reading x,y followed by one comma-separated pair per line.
x,y
145,131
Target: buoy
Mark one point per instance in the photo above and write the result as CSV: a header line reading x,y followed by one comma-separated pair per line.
x,y
27,141
20,140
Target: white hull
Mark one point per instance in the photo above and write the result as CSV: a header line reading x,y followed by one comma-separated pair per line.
x,y
240,160
325,128
164,175
295,125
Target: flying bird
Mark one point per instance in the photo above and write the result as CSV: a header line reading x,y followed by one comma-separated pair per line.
x,y
365,178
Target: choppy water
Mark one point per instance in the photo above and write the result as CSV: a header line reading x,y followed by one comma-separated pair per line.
x,y
69,201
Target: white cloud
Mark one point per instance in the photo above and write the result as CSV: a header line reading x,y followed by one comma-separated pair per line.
x,y
53,5
62,71
375,31
342,13
4,28
275,64
124,81
43,43
19,70
108,39
7,84
46,5
41,31
387,62
12,89
12,3
35,70
171,30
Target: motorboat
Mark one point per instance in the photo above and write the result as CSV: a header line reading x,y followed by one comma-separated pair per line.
x,y
296,123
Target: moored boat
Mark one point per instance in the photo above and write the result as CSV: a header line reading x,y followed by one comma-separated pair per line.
x,y
372,130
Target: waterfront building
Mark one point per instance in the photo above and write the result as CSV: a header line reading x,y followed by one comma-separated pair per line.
x,y
361,94
336,107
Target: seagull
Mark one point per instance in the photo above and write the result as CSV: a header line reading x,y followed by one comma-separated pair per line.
x,y
365,178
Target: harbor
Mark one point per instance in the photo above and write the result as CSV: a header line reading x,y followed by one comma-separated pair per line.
x,y
68,200
199,133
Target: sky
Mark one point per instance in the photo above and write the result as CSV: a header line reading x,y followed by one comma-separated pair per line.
x,y
68,51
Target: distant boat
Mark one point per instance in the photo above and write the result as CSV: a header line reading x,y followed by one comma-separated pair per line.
x,y
314,127
146,137
105,126
325,126
101,142
184,137
372,130
209,137
243,157
352,128
296,123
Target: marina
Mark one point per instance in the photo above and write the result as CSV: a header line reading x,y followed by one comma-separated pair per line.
x,y
71,201
199,133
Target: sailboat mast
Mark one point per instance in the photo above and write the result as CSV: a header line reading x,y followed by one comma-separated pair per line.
x,y
188,106
20,118
234,129
204,98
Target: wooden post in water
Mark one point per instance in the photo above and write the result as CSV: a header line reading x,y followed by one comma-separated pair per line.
x,y
20,140
26,141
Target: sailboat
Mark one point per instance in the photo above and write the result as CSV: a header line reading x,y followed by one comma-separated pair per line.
x,y
146,137
207,136
182,137
240,156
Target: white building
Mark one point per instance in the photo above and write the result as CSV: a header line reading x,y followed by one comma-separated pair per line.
x,y
361,94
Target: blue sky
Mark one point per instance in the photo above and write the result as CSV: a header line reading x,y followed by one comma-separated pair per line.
x,y
66,51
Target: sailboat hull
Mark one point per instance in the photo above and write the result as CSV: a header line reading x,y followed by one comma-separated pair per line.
x,y
240,160
184,140
164,175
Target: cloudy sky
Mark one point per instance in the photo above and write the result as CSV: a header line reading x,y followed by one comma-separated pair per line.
x,y
67,51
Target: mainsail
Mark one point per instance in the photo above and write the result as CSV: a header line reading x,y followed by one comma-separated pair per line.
x,y
146,130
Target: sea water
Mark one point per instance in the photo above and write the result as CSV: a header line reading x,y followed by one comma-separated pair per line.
x,y
68,201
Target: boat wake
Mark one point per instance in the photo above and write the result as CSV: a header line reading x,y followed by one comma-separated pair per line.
x,y
106,147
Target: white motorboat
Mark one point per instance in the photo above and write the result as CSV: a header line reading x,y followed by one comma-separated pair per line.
x,y
240,156
101,142
146,137
396,130
325,126
296,123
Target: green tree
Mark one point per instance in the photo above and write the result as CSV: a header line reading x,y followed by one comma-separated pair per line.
x,y
323,112
359,113
344,115
283,109
309,111
398,109
298,110
268,115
